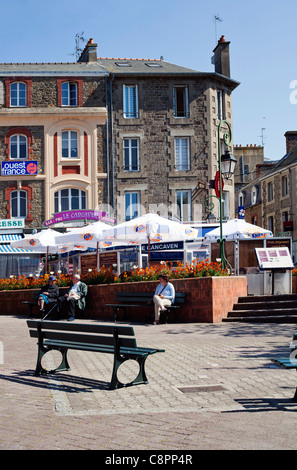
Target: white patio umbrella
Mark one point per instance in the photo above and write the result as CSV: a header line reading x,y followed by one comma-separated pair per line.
x,y
150,228
238,229
40,242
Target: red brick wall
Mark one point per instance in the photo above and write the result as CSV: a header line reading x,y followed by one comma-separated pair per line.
x,y
208,300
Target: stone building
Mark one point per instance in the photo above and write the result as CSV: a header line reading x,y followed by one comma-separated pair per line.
x,y
115,134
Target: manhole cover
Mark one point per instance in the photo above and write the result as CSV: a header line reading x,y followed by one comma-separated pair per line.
x,y
204,388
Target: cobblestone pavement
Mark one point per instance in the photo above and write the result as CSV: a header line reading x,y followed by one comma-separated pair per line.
x,y
214,388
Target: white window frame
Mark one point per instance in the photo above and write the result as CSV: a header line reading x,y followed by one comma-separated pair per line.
x,y
66,94
284,186
18,144
128,111
18,195
185,112
128,148
17,99
69,142
132,209
184,210
179,144
82,195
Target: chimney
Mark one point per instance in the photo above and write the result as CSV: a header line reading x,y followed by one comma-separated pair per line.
x,y
291,140
89,54
221,58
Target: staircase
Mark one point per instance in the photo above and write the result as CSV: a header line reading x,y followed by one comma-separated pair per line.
x,y
265,309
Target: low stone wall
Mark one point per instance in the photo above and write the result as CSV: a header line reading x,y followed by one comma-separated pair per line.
x,y
208,300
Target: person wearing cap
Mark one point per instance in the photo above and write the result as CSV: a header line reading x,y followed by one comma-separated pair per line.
x,y
49,293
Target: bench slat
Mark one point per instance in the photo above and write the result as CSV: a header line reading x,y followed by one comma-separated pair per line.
x,y
286,362
81,327
81,338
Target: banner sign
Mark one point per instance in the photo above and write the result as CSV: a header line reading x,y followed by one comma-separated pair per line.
x,y
12,223
28,167
68,216
241,212
163,246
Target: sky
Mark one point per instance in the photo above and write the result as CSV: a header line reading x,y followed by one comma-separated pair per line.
x,y
262,50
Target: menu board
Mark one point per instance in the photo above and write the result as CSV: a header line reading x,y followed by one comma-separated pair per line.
x,y
87,263
274,258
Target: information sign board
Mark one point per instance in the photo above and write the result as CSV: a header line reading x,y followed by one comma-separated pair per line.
x,y
274,258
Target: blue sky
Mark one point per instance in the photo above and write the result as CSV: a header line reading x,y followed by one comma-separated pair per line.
x,y
262,35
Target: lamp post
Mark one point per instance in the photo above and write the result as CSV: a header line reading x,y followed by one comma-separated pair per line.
x,y
227,164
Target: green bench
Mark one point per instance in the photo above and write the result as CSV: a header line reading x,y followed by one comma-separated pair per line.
x,y
117,340
32,303
291,361
124,300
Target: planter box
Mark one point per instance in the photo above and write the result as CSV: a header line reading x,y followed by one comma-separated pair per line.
x,y
208,300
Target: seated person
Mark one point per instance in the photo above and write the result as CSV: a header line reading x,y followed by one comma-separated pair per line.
x,y
48,294
164,295
75,296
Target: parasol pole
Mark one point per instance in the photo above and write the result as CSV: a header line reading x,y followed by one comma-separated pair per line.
x,y
148,250
97,258
46,259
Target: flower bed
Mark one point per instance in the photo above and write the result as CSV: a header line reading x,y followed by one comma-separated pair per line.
x,y
106,275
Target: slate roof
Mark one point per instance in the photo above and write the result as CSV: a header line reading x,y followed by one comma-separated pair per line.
x,y
289,159
48,69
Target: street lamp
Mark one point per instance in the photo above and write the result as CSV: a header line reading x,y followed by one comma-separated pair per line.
x,y
227,164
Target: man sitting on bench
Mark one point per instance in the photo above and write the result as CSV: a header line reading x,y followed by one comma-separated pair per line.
x,y
75,296
48,293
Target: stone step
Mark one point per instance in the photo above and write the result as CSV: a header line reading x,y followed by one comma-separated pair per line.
x,y
263,312
265,305
268,298
263,319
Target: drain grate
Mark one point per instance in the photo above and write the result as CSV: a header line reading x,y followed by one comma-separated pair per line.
x,y
204,388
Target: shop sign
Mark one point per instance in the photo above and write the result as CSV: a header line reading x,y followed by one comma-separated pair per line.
x,y
163,246
19,168
68,216
12,223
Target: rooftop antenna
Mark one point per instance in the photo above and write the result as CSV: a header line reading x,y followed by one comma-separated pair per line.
x,y
262,135
78,49
216,20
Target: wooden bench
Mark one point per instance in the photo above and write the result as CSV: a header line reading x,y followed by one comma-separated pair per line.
x,y
124,300
291,361
117,340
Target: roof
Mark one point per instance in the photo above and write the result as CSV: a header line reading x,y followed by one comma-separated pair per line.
x,y
123,66
156,67
52,69
289,159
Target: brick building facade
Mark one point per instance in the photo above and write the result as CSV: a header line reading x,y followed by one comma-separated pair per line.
x,y
115,134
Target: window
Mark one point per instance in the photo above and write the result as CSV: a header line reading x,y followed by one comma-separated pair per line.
x,y
226,205
270,191
131,154
69,144
254,194
70,199
18,203
132,205
69,94
241,199
270,223
130,105
180,101
284,186
182,153
18,94
18,146
220,104
183,201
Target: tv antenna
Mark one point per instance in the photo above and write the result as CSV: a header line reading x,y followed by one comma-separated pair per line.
x,y
262,135
217,20
78,49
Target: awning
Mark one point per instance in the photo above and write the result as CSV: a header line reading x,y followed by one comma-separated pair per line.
x,y
9,249
10,237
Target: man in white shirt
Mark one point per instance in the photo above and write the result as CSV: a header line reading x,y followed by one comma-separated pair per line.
x,y
75,296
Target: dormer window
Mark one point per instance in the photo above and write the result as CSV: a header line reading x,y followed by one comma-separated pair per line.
x,y
69,94
18,94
